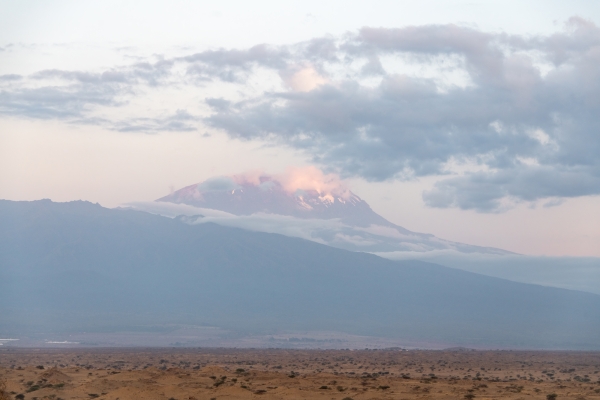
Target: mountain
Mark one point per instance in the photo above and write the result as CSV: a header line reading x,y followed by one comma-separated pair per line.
x,y
268,195
349,222
72,267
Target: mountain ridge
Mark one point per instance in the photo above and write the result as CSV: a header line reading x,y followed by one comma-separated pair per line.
x,y
80,267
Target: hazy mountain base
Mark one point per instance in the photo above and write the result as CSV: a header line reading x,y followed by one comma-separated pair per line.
x,y
186,336
72,267
575,273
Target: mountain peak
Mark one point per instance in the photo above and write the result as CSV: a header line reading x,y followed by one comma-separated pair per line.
x,y
301,193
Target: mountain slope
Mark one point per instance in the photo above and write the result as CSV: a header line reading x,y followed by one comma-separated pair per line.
x,y
78,266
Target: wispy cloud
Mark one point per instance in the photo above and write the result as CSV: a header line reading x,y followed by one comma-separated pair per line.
x,y
180,121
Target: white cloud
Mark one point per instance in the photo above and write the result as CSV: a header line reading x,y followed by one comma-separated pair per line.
x,y
325,231
302,79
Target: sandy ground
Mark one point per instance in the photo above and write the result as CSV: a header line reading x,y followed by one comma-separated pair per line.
x,y
121,374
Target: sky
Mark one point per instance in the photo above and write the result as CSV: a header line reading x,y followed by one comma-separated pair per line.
x,y
476,121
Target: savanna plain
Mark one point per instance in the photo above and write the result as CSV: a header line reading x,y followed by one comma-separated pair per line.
x,y
188,374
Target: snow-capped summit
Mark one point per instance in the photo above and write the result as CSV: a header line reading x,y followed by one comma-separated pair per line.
x,y
268,194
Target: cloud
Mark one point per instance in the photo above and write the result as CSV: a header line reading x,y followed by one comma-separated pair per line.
x,y
528,119
10,77
312,178
72,95
373,67
56,103
310,229
332,232
292,180
379,103
493,191
303,79
180,121
234,65
250,177
218,184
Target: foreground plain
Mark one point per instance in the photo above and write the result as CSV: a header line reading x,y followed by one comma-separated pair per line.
x,y
297,374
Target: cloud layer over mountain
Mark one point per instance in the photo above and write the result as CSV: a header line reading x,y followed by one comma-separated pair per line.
x,y
332,232
501,118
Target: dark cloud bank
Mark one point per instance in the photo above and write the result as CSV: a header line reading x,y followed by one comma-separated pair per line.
x,y
526,120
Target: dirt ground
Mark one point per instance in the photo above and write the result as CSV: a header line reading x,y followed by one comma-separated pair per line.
x,y
185,374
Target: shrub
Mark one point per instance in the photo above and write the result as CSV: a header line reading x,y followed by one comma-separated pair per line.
x,y
33,388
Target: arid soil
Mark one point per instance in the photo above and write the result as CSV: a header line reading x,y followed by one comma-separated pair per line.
x,y
184,374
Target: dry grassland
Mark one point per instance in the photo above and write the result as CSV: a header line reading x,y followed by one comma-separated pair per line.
x,y
186,374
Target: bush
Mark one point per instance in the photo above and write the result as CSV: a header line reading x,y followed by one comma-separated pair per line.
x,y
33,388
551,396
